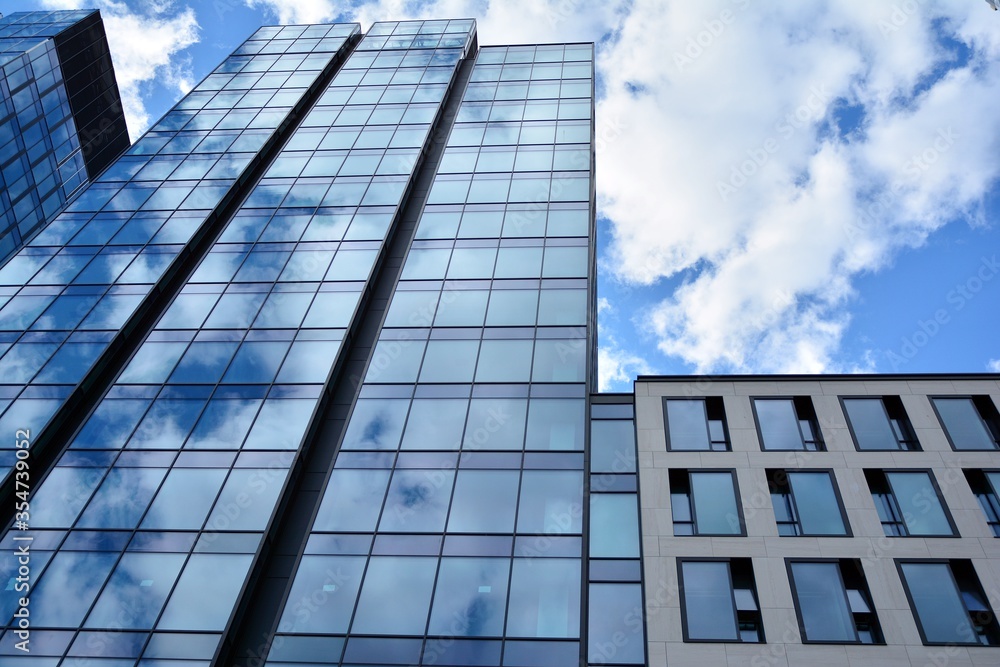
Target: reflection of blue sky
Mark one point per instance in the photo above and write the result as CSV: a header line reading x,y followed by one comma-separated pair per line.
x,y
23,360
68,365
256,362
66,589
111,311
470,597
66,312
111,423
21,311
224,423
435,424
58,501
323,594
417,501
9,596
247,500
167,424
548,500
395,596
375,424
122,498
136,591
544,598
153,362
281,423
309,361
235,311
184,499
206,592
352,501
485,501
204,362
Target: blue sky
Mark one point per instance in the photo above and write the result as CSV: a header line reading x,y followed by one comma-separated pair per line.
x,y
800,188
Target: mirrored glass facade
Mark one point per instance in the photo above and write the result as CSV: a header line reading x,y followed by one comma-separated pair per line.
x,y
61,119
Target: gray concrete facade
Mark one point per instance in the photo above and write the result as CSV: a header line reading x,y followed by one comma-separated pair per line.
x,y
877,553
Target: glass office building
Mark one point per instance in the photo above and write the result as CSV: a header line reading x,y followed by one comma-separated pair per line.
x,y
61,119
322,333
306,378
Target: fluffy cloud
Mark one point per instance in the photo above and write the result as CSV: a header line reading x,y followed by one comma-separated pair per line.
x,y
767,155
993,365
499,22
145,39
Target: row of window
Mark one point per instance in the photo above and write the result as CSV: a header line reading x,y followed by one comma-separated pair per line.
x,y
877,423
808,502
719,602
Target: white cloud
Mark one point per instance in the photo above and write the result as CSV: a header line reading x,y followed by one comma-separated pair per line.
x,y
722,169
616,366
499,22
993,365
145,39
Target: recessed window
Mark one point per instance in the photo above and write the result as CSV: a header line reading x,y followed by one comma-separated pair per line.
x,y
833,602
719,601
971,422
986,485
880,423
787,424
949,603
696,424
705,502
806,502
909,504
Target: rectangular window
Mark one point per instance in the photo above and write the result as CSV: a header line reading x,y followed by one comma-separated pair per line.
x,y
806,502
949,603
705,502
833,602
879,423
696,424
719,601
787,424
986,485
909,503
971,422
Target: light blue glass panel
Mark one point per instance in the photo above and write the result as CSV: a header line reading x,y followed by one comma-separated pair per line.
x,y
687,425
484,501
152,363
136,591
615,623
937,603
544,598
470,597
111,424
68,587
715,507
353,500
435,424
870,423
417,501
122,498
779,425
206,593
964,425
708,606
281,423
375,424
59,500
504,361
614,526
396,596
449,361
496,423
323,594
224,423
555,423
822,602
817,504
184,500
612,446
551,502
919,503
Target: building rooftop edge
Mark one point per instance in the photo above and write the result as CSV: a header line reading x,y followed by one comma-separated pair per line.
x,y
816,376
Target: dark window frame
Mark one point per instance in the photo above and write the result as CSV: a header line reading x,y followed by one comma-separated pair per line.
x,y
878,638
694,523
987,494
904,424
991,617
744,562
713,404
990,422
870,472
772,472
801,404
